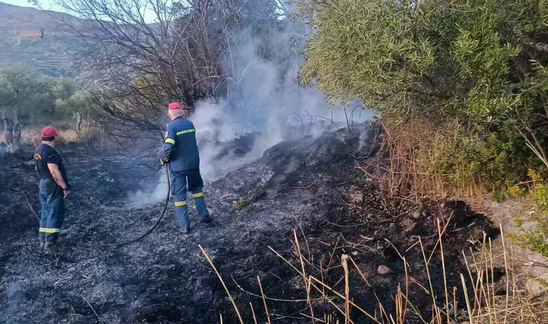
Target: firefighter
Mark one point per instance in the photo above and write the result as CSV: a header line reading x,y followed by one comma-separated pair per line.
x,y
53,188
180,151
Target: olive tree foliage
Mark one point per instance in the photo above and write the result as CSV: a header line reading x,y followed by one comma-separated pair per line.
x,y
472,72
28,98
146,53
83,106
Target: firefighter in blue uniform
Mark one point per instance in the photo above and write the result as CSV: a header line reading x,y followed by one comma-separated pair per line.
x,y
180,151
53,188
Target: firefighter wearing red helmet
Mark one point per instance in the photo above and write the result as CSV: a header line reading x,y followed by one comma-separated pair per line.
x,y
180,151
53,188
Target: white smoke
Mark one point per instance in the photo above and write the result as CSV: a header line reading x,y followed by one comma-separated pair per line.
x,y
265,98
149,195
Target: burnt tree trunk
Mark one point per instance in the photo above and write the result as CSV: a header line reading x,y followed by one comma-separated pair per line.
x,y
79,122
12,130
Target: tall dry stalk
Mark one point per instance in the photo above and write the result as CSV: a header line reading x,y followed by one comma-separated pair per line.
x,y
482,305
223,283
344,261
407,166
264,300
306,281
444,272
253,313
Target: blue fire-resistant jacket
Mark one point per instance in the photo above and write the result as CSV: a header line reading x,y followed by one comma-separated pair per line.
x,y
180,145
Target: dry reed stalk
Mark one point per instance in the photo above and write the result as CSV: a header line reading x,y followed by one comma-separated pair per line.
x,y
483,262
221,318
406,284
468,306
455,305
381,307
468,268
478,287
344,261
400,313
320,320
305,280
312,278
285,260
253,313
506,269
409,171
492,278
223,283
322,278
444,273
270,298
415,310
264,301
438,240
330,301
333,251
486,307
432,293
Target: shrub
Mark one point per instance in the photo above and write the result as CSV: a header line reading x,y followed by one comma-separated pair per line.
x,y
471,71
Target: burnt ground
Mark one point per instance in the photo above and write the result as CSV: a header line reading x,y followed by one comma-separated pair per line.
x,y
311,185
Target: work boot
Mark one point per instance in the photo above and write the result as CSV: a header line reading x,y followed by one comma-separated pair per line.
x,y
185,231
206,220
49,246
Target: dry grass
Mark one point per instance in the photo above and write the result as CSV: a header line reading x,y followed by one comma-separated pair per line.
x,y
32,136
409,165
487,300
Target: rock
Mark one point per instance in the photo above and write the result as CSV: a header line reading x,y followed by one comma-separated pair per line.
x,y
383,270
408,225
416,214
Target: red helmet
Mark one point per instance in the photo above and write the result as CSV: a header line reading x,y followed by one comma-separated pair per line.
x,y
49,132
174,106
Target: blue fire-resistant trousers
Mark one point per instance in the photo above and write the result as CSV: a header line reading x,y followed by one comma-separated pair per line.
x,y
53,210
179,181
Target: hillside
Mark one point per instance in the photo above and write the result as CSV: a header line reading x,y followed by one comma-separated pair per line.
x,y
39,38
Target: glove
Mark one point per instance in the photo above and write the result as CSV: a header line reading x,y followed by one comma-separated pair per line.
x,y
164,160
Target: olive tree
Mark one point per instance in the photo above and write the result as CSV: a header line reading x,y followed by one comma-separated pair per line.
x,y
472,73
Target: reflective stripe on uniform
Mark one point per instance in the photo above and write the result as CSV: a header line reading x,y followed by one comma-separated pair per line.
x,y
170,141
198,195
186,131
180,203
48,230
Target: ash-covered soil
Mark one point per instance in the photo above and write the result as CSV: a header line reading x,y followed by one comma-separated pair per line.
x,y
310,185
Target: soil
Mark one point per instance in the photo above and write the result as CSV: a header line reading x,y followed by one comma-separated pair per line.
x,y
531,267
310,185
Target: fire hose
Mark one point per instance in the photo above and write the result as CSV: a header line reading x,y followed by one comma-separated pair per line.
x,y
147,232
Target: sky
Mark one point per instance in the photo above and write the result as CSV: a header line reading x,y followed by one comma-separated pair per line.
x,y
50,5
46,4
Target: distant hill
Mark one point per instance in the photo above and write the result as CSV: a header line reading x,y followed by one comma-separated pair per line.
x,y
39,38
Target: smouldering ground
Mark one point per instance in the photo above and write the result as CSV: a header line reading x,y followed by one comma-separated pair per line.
x,y
311,185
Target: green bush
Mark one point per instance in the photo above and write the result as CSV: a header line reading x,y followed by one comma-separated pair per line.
x,y
535,235
472,71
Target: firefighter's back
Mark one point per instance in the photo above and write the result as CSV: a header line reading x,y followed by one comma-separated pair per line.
x,y
185,156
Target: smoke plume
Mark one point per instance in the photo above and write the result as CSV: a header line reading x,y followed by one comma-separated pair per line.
x,y
265,105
